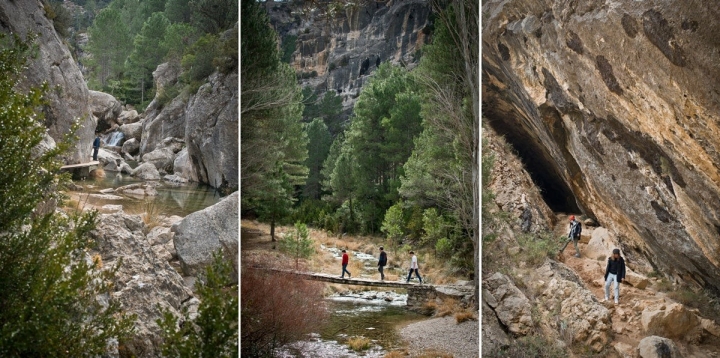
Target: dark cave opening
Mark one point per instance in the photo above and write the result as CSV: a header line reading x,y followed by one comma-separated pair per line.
x,y
541,167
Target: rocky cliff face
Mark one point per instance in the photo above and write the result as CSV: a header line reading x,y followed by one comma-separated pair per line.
x,y
613,106
338,52
54,64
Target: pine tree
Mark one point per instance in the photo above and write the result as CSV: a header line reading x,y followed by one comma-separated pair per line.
x,y
148,50
48,301
319,142
109,42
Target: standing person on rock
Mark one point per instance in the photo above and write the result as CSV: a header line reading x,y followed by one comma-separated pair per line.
x,y
614,272
413,267
345,260
573,235
382,261
96,145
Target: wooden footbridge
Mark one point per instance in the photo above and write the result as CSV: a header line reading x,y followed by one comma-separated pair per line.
x,y
418,294
81,170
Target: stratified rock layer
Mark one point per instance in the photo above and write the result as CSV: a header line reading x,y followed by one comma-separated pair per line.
x,y
613,106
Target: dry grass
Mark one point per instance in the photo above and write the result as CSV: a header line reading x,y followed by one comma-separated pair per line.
x,y
434,353
396,354
359,343
463,316
429,307
151,214
448,307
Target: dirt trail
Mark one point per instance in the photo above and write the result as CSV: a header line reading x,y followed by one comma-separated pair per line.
x,y
625,316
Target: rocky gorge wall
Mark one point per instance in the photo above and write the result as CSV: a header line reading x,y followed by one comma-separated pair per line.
x,y
338,52
67,94
613,107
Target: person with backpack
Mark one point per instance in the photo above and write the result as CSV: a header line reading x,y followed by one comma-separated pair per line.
x,y
345,260
381,263
573,235
614,272
413,268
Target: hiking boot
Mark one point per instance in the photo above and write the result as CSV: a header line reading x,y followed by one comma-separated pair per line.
x,y
604,299
616,302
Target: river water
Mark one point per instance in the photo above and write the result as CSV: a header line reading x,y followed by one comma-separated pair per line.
x,y
358,314
180,200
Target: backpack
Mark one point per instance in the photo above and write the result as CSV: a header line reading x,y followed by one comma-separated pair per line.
x,y
575,229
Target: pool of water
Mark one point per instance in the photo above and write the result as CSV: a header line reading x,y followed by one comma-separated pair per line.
x,y
376,320
170,200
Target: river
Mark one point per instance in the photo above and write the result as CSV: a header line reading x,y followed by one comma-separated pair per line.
x,y
357,315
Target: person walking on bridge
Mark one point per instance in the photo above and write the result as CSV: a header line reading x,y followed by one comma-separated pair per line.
x,y
345,260
413,267
381,263
96,145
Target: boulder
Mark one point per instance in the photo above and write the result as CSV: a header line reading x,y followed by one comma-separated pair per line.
x,y
105,108
636,280
212,131
45,145
163,123
146,171
183,167
52,63
509,303
106,156
144,283
127,117
672,321
658,347
493,336
201,234
131,130
175,179
624,350
131,146
161,158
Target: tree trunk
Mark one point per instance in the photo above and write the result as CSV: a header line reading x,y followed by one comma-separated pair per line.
x,y
272,230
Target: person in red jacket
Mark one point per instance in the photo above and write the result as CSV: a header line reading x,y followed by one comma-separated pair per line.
x,y
345,260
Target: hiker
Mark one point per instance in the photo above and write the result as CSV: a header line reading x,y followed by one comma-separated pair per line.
x,y
614,272
96,145
345,260
413,267
573,235
381,263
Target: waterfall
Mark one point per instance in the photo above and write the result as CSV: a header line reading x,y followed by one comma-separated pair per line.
x,y
114,139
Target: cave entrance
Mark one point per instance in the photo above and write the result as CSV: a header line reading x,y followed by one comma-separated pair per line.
x,y
540,165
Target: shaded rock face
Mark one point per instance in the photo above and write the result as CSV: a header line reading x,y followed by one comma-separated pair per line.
x,y
343,50
201,234
211,132
658,347
509,304
106,109
55,65
611,107
144,280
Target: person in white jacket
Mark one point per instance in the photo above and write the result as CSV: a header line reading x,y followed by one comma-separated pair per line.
x,y
413,267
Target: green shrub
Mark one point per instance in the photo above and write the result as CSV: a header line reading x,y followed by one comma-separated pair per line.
x,y
197,63
536,248
443,247
298,244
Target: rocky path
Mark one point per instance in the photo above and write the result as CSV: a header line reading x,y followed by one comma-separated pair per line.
x,y
637,294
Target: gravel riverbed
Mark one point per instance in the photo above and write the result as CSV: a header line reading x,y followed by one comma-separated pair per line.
x,y
444,335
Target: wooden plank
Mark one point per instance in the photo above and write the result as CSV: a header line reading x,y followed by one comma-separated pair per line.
x,y
81,165
346,281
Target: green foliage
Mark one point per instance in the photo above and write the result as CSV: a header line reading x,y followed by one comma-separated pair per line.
x,y
178,11
319,142
298,244
226,59
214,16
394,223
536,248
328,108
288,47
178,38
435,227
214,333
197,63
48,300
60,17
109,44
443,247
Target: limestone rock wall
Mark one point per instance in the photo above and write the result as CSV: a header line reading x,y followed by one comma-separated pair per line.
x,y
338,52
613,105
68,93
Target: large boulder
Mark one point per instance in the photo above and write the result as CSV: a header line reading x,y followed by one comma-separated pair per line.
x,y
163,117
106,109
183,166
146,171
128,117
509,303
67,101
672,321
201,234
493,336
131,146
131,130
658,347
145,283
212,131
566,302
108,156
161,158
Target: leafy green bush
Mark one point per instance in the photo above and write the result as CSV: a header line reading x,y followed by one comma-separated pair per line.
x,y
298,244
197,63
214,333
443,247
534,249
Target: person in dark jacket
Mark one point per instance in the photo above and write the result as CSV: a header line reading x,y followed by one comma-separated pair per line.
x,y
345,260
573,235
614,272
381,263
96,145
